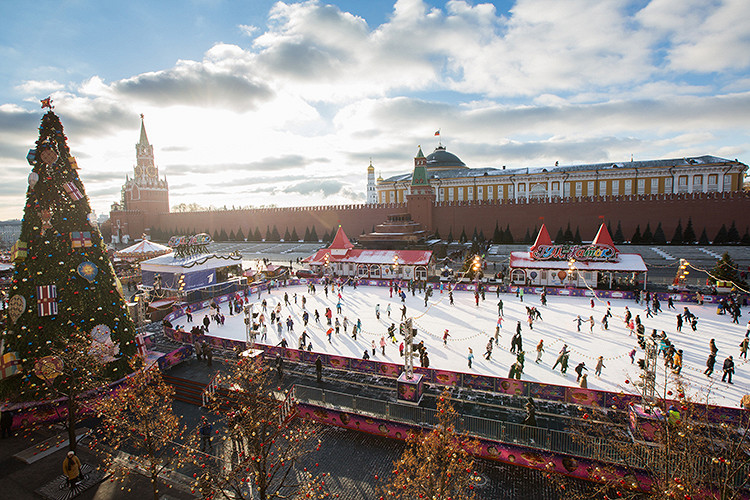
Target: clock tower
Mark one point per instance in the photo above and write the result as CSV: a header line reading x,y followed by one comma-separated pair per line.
x,y
142,198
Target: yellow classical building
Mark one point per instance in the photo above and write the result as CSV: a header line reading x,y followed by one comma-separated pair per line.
x,y
453,181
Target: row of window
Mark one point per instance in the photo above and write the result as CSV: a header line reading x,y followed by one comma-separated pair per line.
x,y
654,185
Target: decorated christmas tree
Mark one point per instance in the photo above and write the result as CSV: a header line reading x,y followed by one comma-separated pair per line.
x,y
64,287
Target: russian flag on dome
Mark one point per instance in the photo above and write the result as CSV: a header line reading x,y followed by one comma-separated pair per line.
x,y
438,132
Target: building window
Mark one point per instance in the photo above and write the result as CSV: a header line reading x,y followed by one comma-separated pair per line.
x,y
727,182
654,186
579,188
615,187
668,185
697,183
567,190
590,188
451,194
713,182
556,189
641,186
460,194
628,187
441,193
602,188
521,190
480,192
490,192
510,191
682,183
470,193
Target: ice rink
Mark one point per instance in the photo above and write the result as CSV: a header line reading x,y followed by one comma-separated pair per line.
x,y
471,326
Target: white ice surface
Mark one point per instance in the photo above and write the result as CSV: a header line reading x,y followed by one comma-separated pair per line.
x,y
471,326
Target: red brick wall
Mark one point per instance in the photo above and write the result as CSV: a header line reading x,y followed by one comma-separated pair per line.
x,y
707,211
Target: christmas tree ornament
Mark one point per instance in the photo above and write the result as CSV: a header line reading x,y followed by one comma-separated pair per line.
x,y
102,347
33,179
48,156
20,251
46,300
16,307
73,192
80,239
48,368
73,162
46,217
88,270
31,157
9,365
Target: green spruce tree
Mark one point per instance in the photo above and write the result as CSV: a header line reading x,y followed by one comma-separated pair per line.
x,y
64,289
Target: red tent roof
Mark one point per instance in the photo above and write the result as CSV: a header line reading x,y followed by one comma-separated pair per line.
x,y
542,238
340,241
603,238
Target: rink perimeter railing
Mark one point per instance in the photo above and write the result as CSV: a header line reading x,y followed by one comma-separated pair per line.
x,y
627,455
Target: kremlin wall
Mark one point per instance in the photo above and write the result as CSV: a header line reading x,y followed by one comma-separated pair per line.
x,y
140,210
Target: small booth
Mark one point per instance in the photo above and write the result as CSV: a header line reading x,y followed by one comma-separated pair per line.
x,y
342,259
596,265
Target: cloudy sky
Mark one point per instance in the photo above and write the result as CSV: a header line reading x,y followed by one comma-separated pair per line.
x,y
254,102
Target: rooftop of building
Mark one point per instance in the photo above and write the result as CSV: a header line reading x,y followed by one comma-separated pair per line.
x,y
442,161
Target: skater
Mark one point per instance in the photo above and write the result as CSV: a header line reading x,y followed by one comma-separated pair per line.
x,y
677,362
632,356
450,298
584,384
670,303
470,357
712,347
564,363
401,350
388,310
591,324
500,307
579,370
728,369
539,350
710,362
679,323
743,347
498,327
373,347
403,312
365,355
445,337
578,322
488,353
599,366
560,356
382,344
377,311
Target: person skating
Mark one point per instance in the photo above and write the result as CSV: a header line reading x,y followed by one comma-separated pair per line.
x,y
365,355
564,363
591,324
488,351
677,361
679,323
583,383
712,347
539,350
560,356
632,356
470,357
599,366
579,370
728,369
578,322
445,337
403,312
382,344
710,362
743,347
500,307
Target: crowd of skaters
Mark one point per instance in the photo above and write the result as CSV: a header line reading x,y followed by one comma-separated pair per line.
x,y
338,323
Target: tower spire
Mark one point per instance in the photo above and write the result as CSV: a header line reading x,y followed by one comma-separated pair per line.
x,y
144,138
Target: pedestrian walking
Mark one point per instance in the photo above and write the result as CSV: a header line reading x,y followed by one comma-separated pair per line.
x,y
72,469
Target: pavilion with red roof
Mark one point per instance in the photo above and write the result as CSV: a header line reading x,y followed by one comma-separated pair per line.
x,y
595,265
342,259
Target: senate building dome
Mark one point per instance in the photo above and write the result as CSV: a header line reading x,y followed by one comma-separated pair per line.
x,y
440,159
